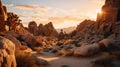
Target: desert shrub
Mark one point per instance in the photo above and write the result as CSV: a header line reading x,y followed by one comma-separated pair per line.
x,y
25,60
65,52
104,60
54,51
38,49
47,49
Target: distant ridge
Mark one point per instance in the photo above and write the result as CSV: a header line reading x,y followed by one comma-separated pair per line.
x,y
67,30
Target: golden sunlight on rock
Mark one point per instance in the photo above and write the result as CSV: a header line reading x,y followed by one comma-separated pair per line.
x,y
99,11
56,37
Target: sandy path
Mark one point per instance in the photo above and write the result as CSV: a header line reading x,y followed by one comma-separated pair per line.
x,y
56,61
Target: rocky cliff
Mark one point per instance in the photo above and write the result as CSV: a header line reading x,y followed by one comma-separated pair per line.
x,y
109,16
3,16
106,24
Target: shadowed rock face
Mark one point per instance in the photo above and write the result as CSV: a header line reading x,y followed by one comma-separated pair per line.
x,y
110,11
33,27
3,16
109,17
108,22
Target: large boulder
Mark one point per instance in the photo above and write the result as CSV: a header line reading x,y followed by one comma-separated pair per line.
x,y
86,50
107,42
14,40
7,53
30,40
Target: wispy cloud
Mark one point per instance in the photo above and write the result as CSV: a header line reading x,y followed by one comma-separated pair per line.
x,y
66,18
9,5
31,7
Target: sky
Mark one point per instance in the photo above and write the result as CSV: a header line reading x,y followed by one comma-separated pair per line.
x,y
62,13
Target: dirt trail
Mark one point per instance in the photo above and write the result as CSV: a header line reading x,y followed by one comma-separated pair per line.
x,y
58,61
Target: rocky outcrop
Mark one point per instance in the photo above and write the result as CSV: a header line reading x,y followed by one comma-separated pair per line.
x,y
85,27
109,16
48,30
85,30
19,28
86,50
7,53
14,40
3,16
41,30
32,27
110,11
31,40
107,23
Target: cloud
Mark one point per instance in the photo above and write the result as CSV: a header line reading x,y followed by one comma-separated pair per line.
x,y
9,5
31,7
21,15
66,18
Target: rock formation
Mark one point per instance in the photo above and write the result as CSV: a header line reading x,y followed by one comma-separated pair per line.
x,y
3,16
85,29
19,28
41,29
110,11
31,40
107,23
14,40
109,15
32,27
48,30
7,53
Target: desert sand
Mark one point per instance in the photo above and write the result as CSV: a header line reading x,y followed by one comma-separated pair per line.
x,y
60,61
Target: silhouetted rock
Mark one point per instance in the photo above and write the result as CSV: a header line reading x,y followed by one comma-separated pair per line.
x,y
110,11
32,27
7,53
108,17
41,30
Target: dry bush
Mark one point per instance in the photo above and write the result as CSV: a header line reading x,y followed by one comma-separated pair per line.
x,y
104,60
25,60
65,52
38,49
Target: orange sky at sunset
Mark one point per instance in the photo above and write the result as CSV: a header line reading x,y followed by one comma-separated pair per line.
x,y
63,13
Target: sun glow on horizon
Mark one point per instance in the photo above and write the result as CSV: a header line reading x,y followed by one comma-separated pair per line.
x,y
99,11
63,14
